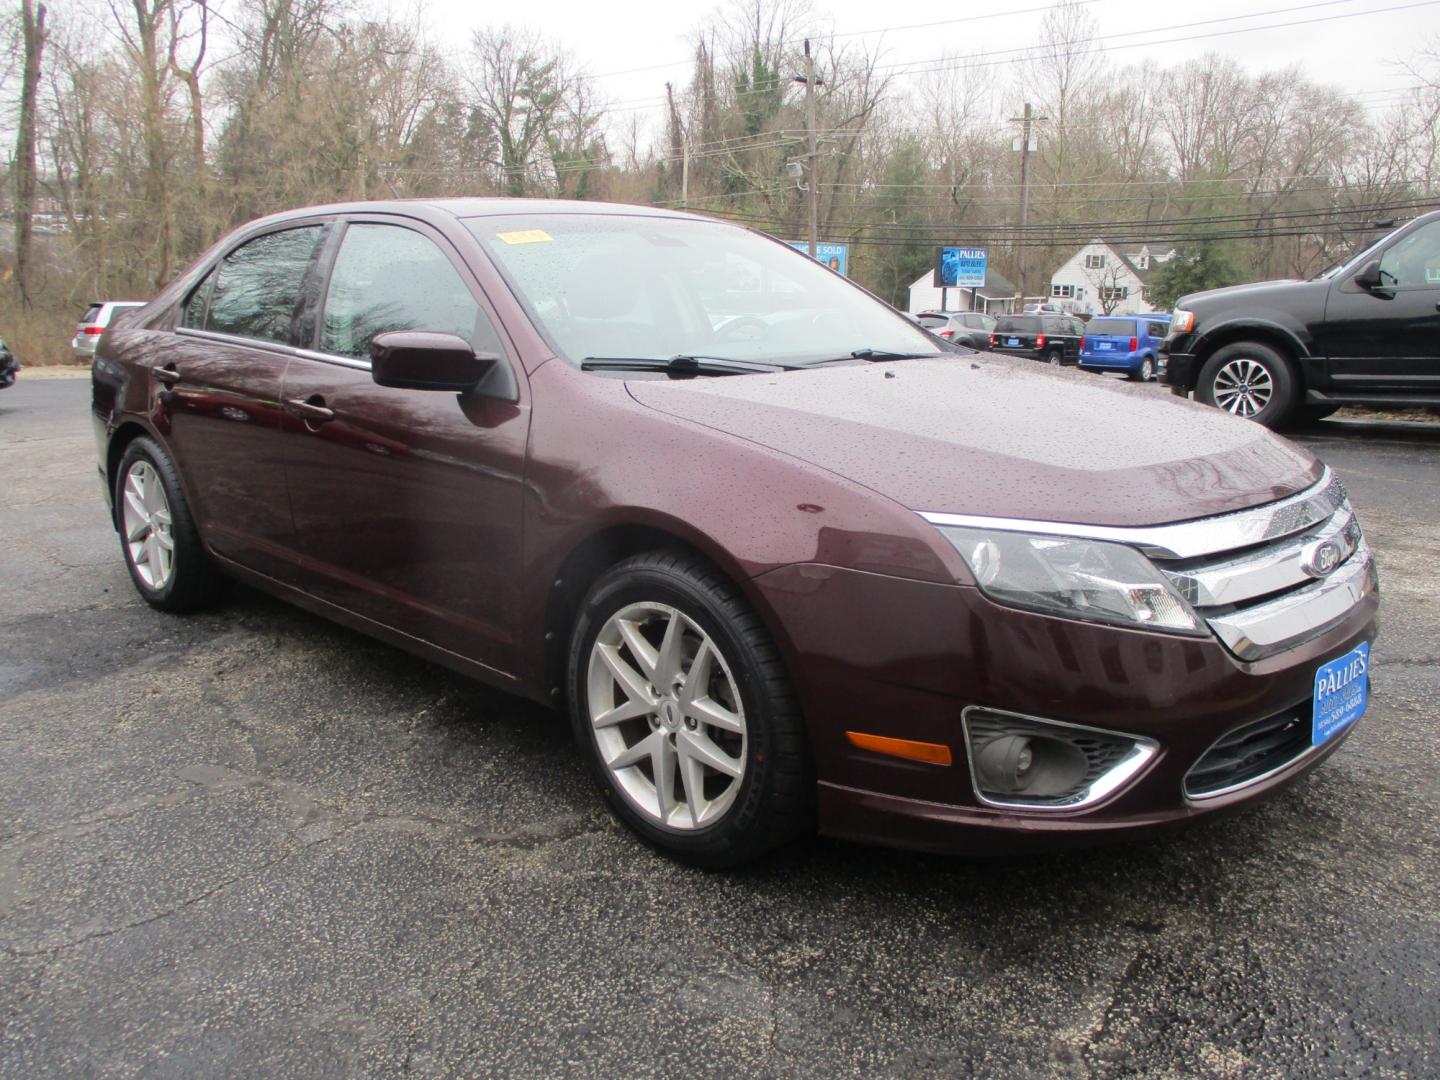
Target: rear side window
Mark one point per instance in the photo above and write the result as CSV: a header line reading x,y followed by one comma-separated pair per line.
x,y
257,287
1158,329
390,278
932,322
1018,324
91,313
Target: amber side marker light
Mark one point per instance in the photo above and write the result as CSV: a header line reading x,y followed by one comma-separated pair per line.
x,y
929,752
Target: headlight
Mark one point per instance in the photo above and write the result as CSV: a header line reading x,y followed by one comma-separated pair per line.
x,y
1182,322
1075,578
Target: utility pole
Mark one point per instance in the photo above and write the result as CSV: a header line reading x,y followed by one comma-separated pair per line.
x,y
812,195
685,172
1026,146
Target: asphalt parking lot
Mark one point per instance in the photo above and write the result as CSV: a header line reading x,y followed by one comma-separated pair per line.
x,y
251,842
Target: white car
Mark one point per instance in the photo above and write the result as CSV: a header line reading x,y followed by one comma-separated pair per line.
x,y
93,323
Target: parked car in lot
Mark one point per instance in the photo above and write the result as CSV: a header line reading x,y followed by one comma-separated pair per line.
x,y
970,328
1366,332
9,366
1126,343
826,574
98,316
1052,338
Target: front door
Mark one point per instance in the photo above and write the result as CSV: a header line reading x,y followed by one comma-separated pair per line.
x,y
407,503
220,399
1388,336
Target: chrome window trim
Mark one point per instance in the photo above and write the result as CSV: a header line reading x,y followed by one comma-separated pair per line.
x,y
1266,629
333,358
1120,775
235,339
1185,539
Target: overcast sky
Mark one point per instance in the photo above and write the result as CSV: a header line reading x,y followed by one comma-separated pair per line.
x,y
1358,51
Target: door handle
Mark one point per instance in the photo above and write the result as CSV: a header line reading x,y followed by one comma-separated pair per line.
x,y
312,410
167,375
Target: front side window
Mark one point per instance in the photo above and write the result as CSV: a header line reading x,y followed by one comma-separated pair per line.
x,y
257,287
1414,262
650,287
387,278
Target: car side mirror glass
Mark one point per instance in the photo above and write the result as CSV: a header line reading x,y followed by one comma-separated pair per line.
x,y
424,360
1369,275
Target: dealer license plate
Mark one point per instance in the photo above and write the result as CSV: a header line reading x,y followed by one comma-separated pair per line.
x,y
1107,346
1341,689
1012,341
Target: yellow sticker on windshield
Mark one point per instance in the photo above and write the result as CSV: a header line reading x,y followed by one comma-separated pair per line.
x,y
525,236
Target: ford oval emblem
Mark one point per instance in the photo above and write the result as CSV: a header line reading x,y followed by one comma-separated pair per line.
x,y
1320,559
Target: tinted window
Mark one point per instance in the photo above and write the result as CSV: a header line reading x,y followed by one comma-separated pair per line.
x,y
194,311
1158,329
257,288
1112,327
1413,263
390,278
1017,324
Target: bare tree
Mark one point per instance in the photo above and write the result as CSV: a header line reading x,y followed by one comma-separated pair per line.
x,y
34,36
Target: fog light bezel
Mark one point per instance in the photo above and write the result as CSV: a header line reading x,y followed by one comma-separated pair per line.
x,y
1143,753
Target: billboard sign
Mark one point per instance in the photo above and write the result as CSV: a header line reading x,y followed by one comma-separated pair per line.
x,y
960,267
835,256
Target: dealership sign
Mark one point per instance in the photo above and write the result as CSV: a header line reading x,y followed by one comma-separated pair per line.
x,y
960,267
835,256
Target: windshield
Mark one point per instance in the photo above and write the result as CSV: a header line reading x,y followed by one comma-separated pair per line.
x,y
1355,260
1112,327
620,285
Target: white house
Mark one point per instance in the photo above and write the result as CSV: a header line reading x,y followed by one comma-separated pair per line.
x,y
1103,279
997,295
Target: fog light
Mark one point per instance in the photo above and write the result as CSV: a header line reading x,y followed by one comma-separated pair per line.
x,y
1027,762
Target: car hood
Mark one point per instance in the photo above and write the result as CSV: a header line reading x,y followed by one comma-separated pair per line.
x,y
1257,293
992,436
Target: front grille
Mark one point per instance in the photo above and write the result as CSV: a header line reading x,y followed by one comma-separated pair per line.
x,y
1251,752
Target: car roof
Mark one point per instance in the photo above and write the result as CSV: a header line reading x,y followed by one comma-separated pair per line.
x,y
460,208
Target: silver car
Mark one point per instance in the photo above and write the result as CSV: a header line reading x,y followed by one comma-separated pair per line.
x,y
93,323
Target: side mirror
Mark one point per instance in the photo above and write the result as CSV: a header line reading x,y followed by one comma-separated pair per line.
x,y
1369,275
422,360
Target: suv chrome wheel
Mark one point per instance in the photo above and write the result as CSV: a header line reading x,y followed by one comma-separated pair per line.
x,y
667,716
146,519
1243,387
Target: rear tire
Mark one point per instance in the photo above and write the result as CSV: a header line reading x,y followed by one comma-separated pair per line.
x,y
167,562
1145,373
1055,359
697,745
1250,380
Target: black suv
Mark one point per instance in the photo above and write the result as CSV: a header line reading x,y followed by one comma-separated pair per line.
x,y
1052,338
1366,332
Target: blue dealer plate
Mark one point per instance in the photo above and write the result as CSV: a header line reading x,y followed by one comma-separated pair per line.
x,y
1341,689
1012,341
1104,345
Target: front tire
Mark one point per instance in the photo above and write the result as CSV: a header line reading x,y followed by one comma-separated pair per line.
x,y
682,707
1250,380
167,562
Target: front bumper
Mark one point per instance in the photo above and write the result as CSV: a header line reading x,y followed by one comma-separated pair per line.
x,y
903,659
1178,366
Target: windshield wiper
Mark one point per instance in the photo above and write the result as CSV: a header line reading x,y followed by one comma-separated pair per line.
x,y
681,364
876,355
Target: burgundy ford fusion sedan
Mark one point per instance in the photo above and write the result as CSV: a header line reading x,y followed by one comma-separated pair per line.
x,y
785,564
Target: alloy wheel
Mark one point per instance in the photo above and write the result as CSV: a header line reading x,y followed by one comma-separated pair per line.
x,y
667,717
146,517
1147,370
1243,387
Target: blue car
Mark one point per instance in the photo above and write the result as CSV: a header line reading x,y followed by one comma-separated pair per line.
x,y
1126,343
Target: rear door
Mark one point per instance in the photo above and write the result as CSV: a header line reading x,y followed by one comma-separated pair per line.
x,y
1388,337
218,388
407,503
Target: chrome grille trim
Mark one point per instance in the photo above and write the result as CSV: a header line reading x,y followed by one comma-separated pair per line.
x,y
1257,632
1186,539
1263,571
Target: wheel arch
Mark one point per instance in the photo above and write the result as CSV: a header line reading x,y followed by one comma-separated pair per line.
x,y
1282,340
123,435
594,553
